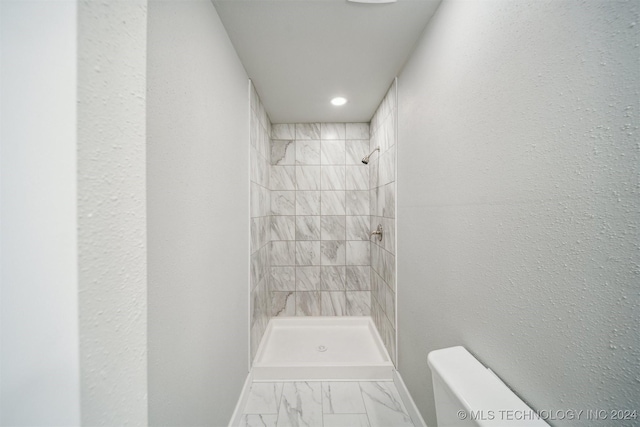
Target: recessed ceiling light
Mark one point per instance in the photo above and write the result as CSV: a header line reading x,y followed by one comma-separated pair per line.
x,y
338,100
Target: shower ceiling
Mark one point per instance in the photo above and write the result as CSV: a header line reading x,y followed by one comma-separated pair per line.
x,y
302,53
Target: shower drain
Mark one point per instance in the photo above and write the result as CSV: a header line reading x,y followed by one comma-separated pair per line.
x,y
321,348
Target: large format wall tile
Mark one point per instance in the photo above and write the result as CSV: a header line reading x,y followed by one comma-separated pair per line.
x,y
333,130
307,203
382,201
357,131
333,153
283,203
283,152
261,206
307,131
307,152
355,151
320,210
333,304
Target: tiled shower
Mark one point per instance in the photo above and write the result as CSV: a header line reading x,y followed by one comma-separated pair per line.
x,y
313,207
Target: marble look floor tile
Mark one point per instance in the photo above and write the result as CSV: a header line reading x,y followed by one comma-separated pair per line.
x,y
333,304
308,152
333,130
267,420
357,131
346,420
307,130
264,398
307,278
301,405
342,398
384,407
332,278
308,203
332,252
283,203
332,202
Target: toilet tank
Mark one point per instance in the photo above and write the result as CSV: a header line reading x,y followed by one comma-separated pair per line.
x,y
468,394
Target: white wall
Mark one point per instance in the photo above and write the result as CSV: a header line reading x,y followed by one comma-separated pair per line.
x,y
198,216
519,199
112,211
40,378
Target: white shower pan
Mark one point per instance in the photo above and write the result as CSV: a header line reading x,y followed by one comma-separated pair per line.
x,y
322,348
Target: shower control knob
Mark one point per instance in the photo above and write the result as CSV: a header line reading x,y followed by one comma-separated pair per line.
x,y
378,232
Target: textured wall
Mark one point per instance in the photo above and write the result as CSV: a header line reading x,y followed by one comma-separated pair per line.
x,y
519,199
382,190
112,211
260,152
319,225
40,375
198,210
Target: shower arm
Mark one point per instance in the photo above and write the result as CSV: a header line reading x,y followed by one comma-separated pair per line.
x,y
365,159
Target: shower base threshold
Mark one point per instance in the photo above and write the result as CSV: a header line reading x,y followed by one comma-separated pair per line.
x,y
322,348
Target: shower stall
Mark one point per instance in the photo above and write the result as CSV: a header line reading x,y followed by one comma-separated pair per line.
x,y
322,282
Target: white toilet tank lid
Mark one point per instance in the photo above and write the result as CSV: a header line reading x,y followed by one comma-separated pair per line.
x,y
476,386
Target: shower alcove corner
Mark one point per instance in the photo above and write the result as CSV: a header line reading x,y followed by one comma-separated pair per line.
x,y
322,348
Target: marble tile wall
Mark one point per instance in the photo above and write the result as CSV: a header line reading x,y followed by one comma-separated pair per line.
x,y
260,153
320,215
382,196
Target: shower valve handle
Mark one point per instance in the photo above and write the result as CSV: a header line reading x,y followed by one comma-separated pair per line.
x,y
378,232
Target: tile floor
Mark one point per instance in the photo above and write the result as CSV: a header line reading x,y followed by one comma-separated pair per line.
x,y
325,404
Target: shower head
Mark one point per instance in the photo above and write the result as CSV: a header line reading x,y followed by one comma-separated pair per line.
x,y
365,159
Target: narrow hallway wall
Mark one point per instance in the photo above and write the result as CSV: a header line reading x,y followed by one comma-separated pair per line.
x,y
39,360
112,233
519,200
198,206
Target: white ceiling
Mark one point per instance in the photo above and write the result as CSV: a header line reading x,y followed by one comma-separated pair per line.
x,y
302,53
